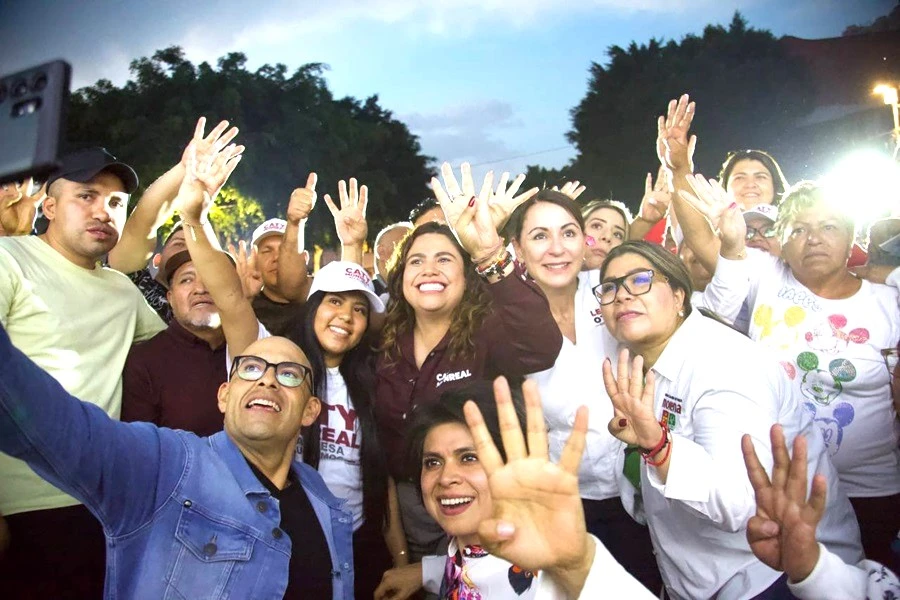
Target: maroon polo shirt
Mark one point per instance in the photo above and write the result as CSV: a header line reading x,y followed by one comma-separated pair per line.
x,y
172,380
517,338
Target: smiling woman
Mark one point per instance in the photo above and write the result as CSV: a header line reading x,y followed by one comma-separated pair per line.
x,y
549,238
685,402
458,311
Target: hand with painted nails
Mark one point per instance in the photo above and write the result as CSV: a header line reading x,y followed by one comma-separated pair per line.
x,y
724,215
782,534
634,420
538,519
350,218
572,189
477,217
673,147
657,197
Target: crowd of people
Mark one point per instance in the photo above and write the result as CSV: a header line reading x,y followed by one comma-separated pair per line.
x,y
532,394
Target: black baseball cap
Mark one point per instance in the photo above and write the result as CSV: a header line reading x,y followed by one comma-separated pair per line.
x,y
84,165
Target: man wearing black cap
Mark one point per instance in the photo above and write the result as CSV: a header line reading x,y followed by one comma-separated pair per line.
x,y
77,320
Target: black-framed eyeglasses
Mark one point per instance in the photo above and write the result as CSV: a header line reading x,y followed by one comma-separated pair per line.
x,y
636,284
288,374
765,232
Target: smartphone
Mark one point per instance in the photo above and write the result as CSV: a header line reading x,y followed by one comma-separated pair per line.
x,y
33,106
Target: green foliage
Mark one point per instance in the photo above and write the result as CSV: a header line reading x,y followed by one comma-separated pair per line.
x,y
235,216
748,92
291,125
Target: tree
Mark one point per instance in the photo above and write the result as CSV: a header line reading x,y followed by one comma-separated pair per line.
x,y
290,123
888,22
748,92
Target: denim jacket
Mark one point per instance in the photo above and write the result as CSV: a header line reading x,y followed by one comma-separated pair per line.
x,y
184,516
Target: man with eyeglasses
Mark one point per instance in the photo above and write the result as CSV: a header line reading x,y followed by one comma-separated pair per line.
x,y
230,515
761,232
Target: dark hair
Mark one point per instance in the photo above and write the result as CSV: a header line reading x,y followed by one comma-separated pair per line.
x,y
421,208
517,220
588,209
467,317
358,370
779,183
449,409
663,262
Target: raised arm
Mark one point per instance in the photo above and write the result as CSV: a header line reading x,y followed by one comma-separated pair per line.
x,y
293,278
157,205
654,205
522,334
18,207
204,178
538,519
350,219
78,448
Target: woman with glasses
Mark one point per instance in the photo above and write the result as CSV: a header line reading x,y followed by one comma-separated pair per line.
x,y
547,233
706,386
828,328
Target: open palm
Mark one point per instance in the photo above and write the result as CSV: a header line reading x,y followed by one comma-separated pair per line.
x,y
538,519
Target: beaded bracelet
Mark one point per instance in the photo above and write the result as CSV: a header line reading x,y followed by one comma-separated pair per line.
x,y
497,267
660,444
656,463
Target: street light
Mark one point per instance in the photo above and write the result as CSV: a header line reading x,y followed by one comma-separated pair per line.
x,y
889,94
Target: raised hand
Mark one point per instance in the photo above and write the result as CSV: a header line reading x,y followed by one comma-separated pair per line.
x,y
245,263
500,202
18,206
675,149
572,189
657,197
350,218
538,520
204,144
634,419
782,534
203,180
302,201
711,200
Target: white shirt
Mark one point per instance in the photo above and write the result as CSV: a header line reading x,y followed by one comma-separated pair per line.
x,y
726,290
712,386
831,351
339,457
575,380
833,579
490,576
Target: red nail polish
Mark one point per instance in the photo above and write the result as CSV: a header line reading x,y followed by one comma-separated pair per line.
x,y
732,205
623,422
589,240
472,201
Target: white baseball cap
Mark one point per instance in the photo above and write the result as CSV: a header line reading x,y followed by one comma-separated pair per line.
x,y
270,227
766,211
346,276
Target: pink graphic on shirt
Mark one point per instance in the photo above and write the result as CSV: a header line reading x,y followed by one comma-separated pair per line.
x,y
829,337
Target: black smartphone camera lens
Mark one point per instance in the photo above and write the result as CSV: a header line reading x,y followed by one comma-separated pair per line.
x,y
20,88
39,83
